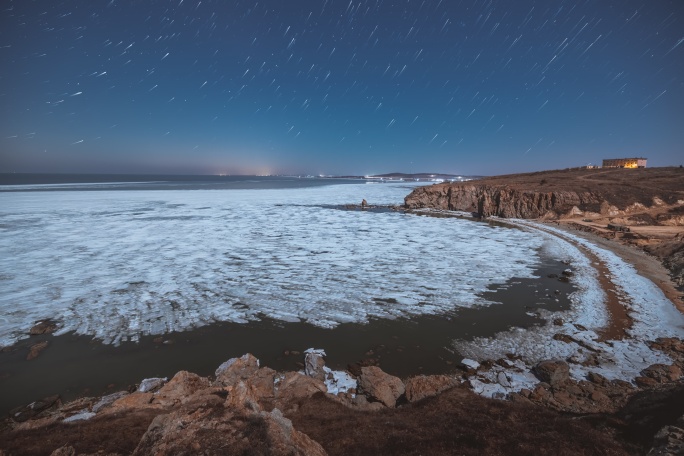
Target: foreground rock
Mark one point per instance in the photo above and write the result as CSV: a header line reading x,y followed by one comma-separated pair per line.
x,y
380,386
211,427
251,409
422,386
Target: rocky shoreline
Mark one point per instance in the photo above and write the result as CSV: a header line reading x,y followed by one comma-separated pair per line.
x,y
249,409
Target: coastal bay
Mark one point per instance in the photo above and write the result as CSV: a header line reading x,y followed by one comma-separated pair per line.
x,y
557,309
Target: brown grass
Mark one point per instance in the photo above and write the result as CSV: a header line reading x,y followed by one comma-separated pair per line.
x,y
457,422
620,187
112,433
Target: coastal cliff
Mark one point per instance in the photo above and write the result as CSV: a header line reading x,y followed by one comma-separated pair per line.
x,y
565,194
504,201
640,207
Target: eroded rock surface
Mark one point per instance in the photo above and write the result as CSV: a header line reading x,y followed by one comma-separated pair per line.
x,y
380,386
423,386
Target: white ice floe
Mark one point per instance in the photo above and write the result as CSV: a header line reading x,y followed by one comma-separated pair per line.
x,y
339,381
652,313
499,381
470,363
117,265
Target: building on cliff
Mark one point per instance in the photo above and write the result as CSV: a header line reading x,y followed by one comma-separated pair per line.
x,y
624,163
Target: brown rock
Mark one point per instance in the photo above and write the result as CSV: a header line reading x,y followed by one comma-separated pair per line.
x,y
645,382
183,385
43,327
598,396
241,397
24,413
77,405
499,200
36,349
423,386
380,386
552,372
669,345
215,429
598,379
237,369
132,401
262,384
294,387
662,373
564,399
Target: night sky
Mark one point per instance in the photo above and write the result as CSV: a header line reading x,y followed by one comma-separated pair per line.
x,y
338,86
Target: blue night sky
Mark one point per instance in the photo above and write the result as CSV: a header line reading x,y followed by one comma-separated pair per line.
x,y
338,86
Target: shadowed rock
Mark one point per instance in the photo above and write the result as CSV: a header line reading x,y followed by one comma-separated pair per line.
x,y
552,372
423,386
380,386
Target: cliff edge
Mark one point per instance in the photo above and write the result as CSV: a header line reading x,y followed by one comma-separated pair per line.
x,y
563,194
640,207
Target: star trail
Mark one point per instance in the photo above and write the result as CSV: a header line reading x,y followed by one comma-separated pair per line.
x,y
338,87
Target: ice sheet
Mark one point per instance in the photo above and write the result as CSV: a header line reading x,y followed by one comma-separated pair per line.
x,y
116,265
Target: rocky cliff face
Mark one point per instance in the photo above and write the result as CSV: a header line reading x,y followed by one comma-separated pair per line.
x,y
504,201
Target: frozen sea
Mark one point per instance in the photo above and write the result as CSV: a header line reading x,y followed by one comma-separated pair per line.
x,y
119,260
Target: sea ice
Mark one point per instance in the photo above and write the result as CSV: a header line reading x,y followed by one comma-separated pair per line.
x,y
117,265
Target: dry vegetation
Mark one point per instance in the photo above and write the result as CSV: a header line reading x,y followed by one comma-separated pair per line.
x,y
620,187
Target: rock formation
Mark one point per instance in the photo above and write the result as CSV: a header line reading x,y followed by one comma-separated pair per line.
x,y
503,201
249,409
554,194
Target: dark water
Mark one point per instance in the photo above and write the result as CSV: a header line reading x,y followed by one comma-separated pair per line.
x,y
74,366
80,182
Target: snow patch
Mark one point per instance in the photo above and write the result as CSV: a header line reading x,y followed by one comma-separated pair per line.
x,y
81,416
151,384
652,313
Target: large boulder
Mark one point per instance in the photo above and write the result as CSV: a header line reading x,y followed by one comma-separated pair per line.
x,y
130,402
554,373
423,386
380,386
662,373
218,428
181,387
237,369
43,327
294,387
